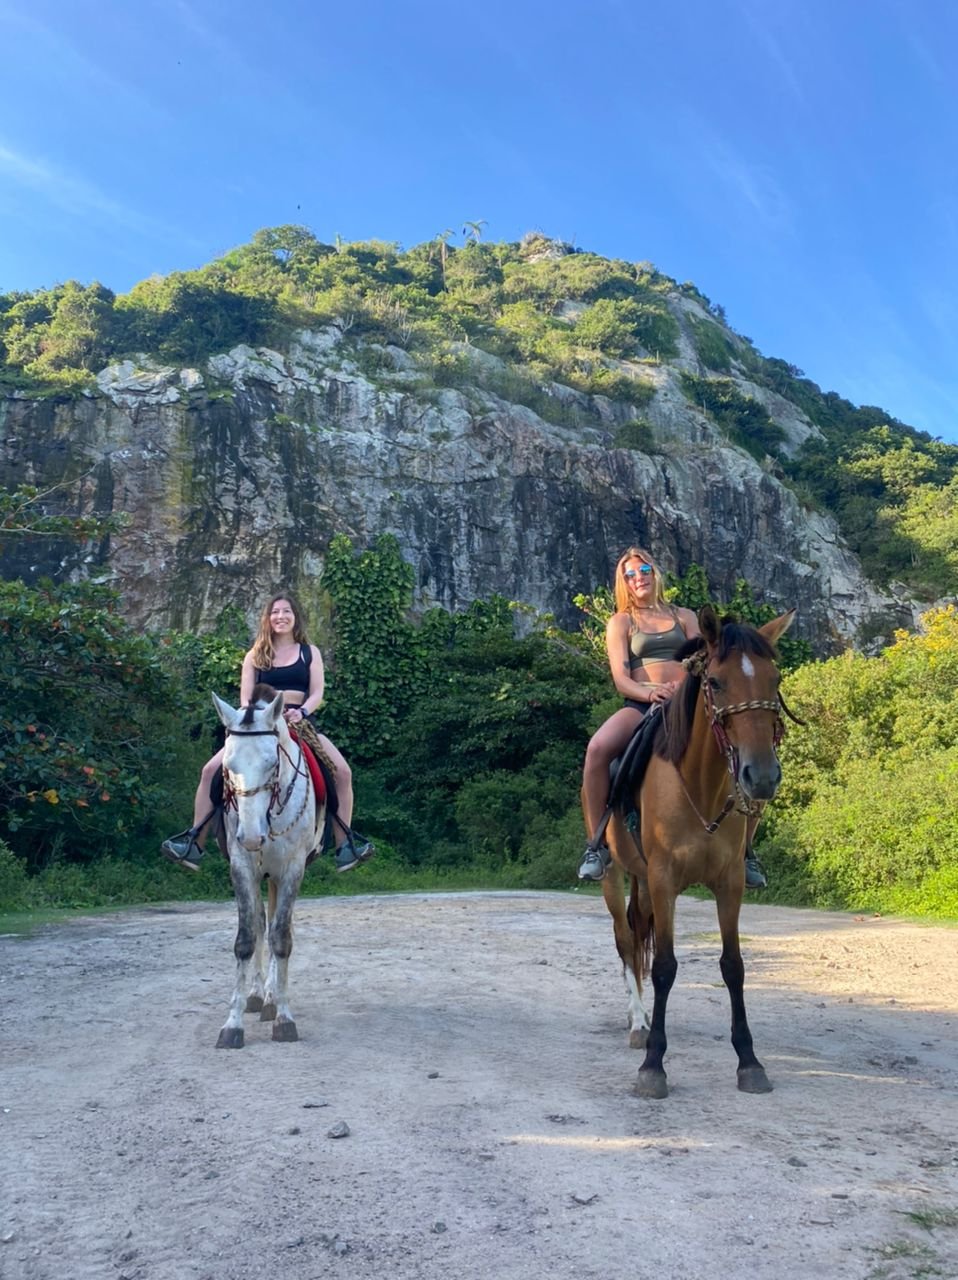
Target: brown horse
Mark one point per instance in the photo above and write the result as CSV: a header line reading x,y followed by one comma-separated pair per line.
x,y
713,766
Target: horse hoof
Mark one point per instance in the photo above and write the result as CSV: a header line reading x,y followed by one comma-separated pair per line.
x,y
267,1012
285,1031
651,1084
230,1038
254,1004
754,1080
638,1037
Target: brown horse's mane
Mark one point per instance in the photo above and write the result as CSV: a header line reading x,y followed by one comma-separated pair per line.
x,y
675,727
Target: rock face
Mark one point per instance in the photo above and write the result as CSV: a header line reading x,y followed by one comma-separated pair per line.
x,y
236,475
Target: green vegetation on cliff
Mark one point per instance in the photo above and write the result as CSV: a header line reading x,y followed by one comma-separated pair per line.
x,y
552,316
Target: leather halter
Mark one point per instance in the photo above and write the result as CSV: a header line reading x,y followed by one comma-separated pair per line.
x,y
231,792
697,664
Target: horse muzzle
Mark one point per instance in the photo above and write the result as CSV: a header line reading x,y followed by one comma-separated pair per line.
x,y
251,837
760,779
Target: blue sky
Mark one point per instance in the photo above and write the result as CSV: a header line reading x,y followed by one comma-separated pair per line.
x,y
794,158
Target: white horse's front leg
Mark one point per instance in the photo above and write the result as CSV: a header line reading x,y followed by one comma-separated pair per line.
x,y
280,947
639,1019
255,998
249,908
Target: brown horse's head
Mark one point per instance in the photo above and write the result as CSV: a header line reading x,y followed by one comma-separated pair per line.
x,y
740,688
734,680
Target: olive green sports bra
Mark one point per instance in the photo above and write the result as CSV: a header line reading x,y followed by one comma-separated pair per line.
x,y
649,646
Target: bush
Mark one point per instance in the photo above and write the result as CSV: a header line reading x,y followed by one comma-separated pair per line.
x,y
16,889
867,814
746,422
711,345
637,434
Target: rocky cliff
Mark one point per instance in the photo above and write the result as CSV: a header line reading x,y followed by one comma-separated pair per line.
x,y
236,475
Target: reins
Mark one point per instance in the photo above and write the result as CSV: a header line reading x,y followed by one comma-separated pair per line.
x,y
231,792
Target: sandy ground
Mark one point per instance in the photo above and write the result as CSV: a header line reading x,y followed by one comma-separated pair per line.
x,y
474,1044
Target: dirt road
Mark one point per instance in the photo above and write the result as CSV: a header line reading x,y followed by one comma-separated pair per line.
x,y
474,1044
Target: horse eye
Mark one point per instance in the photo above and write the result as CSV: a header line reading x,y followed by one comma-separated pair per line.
x,y
715,685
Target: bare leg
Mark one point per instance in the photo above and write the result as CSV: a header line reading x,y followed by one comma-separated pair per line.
x,y
606,743
201,801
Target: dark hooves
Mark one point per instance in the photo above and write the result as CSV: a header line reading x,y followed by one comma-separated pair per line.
x,y
754,1080
267,1012
285,1031
254,1004
651,1084
230,1038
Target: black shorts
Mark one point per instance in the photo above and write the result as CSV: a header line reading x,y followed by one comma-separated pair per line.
x,y
634,705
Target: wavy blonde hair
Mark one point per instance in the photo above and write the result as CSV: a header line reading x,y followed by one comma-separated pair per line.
x,y
262,650
623,596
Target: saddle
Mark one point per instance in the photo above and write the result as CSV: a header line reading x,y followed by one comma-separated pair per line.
x,y
627,771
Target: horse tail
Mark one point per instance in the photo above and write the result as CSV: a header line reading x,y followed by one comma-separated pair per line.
x,y
643,936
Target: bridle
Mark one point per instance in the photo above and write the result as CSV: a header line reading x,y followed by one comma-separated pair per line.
x,y
697,664
276,805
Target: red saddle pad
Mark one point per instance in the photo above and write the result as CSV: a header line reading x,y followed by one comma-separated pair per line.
x,y
312,764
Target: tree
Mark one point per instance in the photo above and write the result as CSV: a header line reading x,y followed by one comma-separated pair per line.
x,y
442,243
473,230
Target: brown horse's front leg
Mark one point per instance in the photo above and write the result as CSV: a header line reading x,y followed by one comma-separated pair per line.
x,y
651,1082
751,1073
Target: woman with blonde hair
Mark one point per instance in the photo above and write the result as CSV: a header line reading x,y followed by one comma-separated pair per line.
x,y
282,657
641,638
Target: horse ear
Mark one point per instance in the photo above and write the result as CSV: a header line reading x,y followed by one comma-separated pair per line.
x,y
229,715
709,625
274,712
774,630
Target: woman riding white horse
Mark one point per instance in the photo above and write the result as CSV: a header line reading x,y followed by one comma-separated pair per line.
x,y
282,657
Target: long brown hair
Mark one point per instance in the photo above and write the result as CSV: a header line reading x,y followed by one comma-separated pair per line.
x,y
262,650
623,596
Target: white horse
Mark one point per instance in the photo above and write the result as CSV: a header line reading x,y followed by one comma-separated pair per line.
x,y
271,825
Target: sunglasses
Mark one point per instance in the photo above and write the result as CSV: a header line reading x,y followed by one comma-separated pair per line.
x,y
643,571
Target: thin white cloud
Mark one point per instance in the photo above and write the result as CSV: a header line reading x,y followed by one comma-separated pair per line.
x,y
211,37
79,197
750,186
759,15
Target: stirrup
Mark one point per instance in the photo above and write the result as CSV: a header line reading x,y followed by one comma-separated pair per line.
x,y
183,848
354,850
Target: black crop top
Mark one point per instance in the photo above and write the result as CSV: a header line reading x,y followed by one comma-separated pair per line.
x,y
291,679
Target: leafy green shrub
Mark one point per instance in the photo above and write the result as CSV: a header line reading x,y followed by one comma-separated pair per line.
x,y
867,813
552,848
745,421
598,380
16,892
636,434
711,345
86,727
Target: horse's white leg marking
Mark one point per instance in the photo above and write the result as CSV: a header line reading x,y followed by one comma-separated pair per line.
x,y
639,1019
747,669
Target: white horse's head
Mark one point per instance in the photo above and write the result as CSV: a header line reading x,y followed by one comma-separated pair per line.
x,y
251,764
